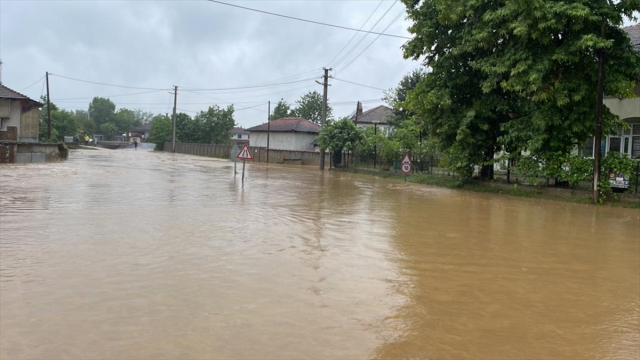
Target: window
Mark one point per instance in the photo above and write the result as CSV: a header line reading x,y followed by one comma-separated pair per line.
x,y
587,149
239,136
614,144
635,142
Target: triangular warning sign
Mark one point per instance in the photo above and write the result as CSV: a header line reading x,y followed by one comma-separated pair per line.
x,y
245,153
406,159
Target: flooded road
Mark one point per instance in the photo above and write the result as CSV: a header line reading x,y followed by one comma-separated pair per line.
x,y
142,255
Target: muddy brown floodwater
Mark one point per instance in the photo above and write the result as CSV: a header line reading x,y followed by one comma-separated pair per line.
x,y
142,255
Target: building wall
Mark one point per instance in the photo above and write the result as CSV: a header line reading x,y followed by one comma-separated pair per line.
x,y
283,141
14,117
625,108
30,125
382,129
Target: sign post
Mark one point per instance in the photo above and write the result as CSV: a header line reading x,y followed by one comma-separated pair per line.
x,y
233,155
406,167
244,155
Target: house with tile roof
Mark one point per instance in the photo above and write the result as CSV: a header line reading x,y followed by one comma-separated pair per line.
x,y
627,141
19,116
377,117
239,135
292,133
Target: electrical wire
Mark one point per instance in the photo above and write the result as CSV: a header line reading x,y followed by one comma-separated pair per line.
x,y
250,86
355,83
346,55
108,96
104,84
354,35
37,81
309,21
371,43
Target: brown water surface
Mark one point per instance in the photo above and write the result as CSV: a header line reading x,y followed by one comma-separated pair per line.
x,y
142,255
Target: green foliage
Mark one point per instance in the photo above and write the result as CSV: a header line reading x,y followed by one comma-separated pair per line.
x,y
339,136
109,130
126,120
63,123
397,96
215,124
310,107
519,76
102,111
282,110
161,131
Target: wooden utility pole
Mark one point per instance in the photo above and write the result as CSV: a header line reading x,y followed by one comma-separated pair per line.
x,y
173,130
268,127
48,110
597,154
325,85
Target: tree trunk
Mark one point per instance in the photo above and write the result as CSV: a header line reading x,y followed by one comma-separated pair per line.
x,y
486,172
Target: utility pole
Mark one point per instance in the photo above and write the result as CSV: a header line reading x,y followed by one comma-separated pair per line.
x,y
325,84
173,131
48,110
268,127
598,135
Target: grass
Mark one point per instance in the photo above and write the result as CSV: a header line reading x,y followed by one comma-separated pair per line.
x,y
502,188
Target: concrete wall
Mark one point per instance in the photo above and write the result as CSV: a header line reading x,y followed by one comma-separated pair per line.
x,y
283,141
259,153
21,152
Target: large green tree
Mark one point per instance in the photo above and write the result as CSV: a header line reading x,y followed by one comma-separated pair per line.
x,y
516,72
309,106
282,110
125,120
63,123
161,131
216,124
397,96
102,111
109,130
339,136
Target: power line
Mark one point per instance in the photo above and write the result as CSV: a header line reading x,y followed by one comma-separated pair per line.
x,y
104,84
249,87
354,35
371,43
346,55
107,96
306,20
37,81
354,83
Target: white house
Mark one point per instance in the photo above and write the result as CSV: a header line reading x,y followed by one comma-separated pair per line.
x,y
19,116
294,134
239,135
626,141
378,117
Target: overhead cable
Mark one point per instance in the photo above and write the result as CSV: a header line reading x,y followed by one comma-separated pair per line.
x,y
248,87
356,34
309,21
37,81
104,84
346,55
355,83
371,43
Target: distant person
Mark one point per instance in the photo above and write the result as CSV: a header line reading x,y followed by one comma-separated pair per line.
x,y
86,139
135,144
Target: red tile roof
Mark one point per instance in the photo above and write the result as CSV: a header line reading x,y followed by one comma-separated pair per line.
x,y
293,124
379,114
6,93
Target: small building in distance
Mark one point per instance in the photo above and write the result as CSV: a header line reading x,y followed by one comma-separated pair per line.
x,y
239,136
377,117
19,116
294,134
142,131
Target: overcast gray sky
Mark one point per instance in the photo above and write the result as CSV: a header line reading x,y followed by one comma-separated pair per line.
x,y
199,45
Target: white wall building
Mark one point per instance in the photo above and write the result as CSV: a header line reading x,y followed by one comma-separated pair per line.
x,y
293,134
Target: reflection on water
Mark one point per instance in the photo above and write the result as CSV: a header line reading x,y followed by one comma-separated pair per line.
x,y
143,255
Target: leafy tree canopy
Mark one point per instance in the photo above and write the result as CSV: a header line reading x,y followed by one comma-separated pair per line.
x,y
309,106
102,111
216,124
397,96
282,110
